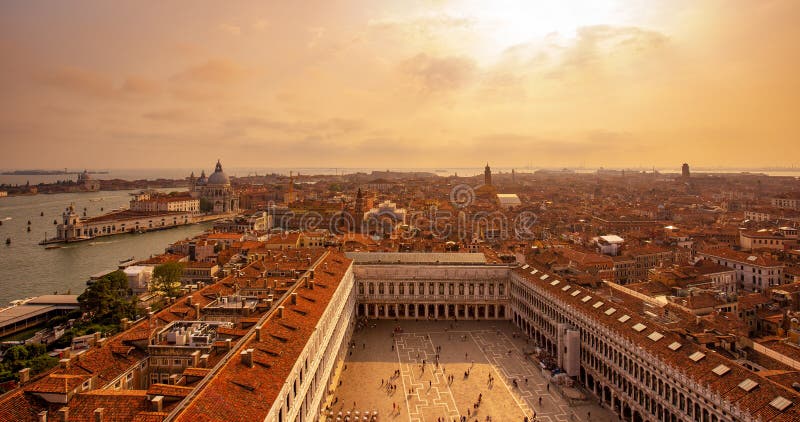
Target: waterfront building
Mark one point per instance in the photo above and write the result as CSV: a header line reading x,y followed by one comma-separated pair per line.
x,y
216,191
165,203
74,228
87,183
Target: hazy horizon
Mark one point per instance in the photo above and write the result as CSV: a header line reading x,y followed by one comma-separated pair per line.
x,y
399,84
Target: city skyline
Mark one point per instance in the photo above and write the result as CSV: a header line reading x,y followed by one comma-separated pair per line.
x,y
399,84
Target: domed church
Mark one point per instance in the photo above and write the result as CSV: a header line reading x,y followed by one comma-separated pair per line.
x,y
216,191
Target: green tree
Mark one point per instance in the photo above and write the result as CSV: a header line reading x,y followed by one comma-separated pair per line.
x,y
167,279
108,300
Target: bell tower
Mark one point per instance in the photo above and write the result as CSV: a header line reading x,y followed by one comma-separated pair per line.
x,y
487,175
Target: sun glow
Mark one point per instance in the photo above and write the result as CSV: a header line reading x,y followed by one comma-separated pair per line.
x,y
505,23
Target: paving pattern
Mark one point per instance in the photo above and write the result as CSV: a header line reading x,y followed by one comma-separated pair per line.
x,y
468,353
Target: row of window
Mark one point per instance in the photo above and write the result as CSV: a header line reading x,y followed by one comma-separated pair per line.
x,y
463,288
597,353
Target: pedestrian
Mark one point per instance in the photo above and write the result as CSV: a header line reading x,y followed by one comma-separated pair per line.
x,y
430,384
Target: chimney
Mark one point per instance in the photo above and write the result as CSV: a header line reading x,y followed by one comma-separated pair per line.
x,y
24,375
247,357
124,323
310,284
195,358
197,311
294,298
101,342
280,311
63,414
228,344
157,403
64,363
311,271
269,303
97,336
42,416
203,360
98,414
189,301
258,333
173,379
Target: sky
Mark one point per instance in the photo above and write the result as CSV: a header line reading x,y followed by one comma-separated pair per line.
x,y
399,84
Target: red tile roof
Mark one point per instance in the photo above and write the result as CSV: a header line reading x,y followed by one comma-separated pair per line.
x,y
240,393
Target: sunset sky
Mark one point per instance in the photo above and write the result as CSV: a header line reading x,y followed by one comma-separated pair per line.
x,y
370,83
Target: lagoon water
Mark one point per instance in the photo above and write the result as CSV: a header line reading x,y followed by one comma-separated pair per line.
x,y
28,269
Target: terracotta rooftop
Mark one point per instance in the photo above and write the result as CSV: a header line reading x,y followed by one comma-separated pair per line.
x,y
682,359
240,393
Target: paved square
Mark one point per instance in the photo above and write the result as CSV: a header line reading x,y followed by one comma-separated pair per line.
x,y
469,353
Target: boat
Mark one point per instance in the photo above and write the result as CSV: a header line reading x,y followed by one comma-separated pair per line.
x,y
53,247
126,260
41,214
8,241
95,199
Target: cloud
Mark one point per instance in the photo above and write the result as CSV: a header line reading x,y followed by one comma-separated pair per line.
x,y
230,29
427,25
79,81
334,127
260,25
603,45
439,74
89,83
214,71
315,33
580,144
171,115
139,85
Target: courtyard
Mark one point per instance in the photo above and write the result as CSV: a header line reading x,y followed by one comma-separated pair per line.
x,y
482,373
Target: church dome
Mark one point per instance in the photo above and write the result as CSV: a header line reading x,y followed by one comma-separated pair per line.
x,y
218,177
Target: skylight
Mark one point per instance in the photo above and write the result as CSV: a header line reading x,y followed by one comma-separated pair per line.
x,y
565,288
655,336
697,356
598,304
639,327
780,403
610,311
748,385
525,267
576,292
586,299
721,370
555,282
544,277
675,346
624,318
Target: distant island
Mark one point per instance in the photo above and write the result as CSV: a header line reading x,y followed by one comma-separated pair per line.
x,y
46,172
